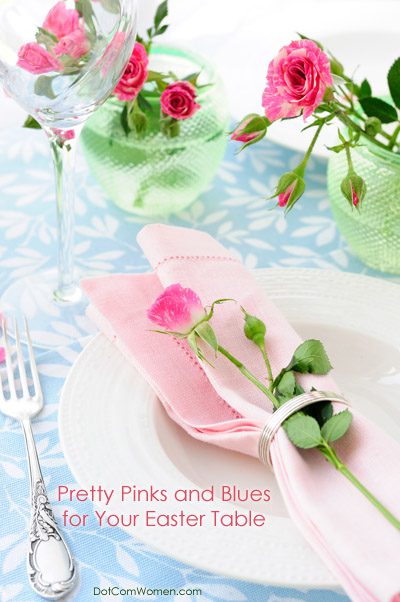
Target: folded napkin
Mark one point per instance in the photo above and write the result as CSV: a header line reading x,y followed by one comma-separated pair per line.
x,y
218,405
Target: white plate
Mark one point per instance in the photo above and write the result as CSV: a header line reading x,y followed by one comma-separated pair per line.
x,y
113,430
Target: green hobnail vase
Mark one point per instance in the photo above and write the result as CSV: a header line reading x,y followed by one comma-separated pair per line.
x,y
373,232
152,175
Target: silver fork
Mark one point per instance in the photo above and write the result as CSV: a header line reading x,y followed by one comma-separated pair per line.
x,y
51,569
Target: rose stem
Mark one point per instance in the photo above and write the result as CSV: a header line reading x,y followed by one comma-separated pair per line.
x,y
249,375
332,457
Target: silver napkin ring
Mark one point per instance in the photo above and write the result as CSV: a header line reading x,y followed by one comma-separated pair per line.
x,y
285,411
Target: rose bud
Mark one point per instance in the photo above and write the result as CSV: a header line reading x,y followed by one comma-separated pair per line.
x,y
373,126
353,188
250,130
290,188
254,328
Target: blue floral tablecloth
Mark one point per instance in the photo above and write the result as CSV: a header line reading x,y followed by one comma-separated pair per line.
x,y
234,211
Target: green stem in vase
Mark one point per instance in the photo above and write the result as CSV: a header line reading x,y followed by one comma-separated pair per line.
x,y
393,138
345,119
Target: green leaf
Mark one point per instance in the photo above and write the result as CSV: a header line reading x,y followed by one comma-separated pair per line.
x,y
376,107
303,431
43,86
303,37
365,89
124,120
31,123
337,426
207,334
153,76
338,148
310,357
286,388
137,120
353,88
394,82
161,14
84,7
160,31
111,6
144,104
192,340
192,78
43,36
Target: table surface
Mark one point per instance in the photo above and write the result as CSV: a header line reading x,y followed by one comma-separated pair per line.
x,y
234,211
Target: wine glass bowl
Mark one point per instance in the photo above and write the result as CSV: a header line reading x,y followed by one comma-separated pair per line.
x,y
65,95
60,60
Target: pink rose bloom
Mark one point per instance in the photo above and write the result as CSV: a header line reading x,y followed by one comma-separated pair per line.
x,y
65,134
112,51
35,59
177,309
74,44
134,75
61,20
179,100
296,81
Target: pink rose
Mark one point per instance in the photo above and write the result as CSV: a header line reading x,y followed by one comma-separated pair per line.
x,y
177,309
112,51
296,81
35,59
61,20
179,100
134,75
65,134
74,44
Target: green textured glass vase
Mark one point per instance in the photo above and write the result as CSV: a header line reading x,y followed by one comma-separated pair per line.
x,y
373,233
152,175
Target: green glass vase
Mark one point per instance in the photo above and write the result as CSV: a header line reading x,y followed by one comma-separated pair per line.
x,y
373,232
152,175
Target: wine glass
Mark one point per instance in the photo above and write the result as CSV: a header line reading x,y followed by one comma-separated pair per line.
x,y
60,60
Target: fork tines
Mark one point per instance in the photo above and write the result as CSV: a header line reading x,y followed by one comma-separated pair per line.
x,y
20,364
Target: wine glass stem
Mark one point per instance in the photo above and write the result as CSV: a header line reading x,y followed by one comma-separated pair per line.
x,y
63,153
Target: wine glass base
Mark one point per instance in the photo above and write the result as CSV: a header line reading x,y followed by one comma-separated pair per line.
x,y
53,322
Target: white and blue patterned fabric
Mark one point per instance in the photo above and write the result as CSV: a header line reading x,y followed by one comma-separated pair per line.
x,y
235,212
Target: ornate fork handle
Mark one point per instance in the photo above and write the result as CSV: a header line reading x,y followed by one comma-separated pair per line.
x,y
51,568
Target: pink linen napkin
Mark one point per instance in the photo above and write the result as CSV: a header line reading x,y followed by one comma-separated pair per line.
x,y
219,406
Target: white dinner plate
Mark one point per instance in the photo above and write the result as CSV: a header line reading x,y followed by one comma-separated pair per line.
x,y
114,431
